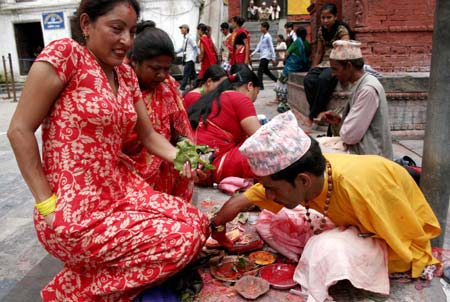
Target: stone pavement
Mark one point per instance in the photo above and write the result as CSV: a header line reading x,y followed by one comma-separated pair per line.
x,y
25,267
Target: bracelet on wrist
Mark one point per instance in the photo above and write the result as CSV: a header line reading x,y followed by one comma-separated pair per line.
x,y
47,206
216,228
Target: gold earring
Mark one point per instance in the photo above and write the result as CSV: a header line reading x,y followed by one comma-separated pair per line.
x,y
85,35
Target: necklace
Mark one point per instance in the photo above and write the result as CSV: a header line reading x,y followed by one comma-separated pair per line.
x,y
323,221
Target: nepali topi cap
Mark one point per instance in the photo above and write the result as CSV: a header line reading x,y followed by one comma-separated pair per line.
x,y
346,50
276,145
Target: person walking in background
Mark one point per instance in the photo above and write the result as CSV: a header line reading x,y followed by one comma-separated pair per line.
x,y
319,83
296,61
189,50
266,54
213,76
151,57
240,41
226,48
113,232
291,36
281,50
207,51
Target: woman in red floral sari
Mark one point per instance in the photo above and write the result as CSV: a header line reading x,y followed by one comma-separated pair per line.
x,y
207,55
113,232
151,56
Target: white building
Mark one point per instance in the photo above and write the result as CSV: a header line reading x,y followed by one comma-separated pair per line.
x,y
29,25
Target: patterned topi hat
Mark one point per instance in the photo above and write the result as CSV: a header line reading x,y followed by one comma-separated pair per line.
x,y
276,145
346,50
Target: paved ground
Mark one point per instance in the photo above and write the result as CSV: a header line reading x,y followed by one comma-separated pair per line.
x,y
25,267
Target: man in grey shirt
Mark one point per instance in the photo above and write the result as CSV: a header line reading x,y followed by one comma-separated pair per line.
x,y
365,121
189,50
267,54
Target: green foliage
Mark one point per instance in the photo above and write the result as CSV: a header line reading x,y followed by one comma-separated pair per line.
x,y
193,154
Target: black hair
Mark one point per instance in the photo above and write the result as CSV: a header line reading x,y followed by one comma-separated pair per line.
x,y
265,24
240,75
289,25
239,20
214,72
357,63
150,42
312,161
281,37
331,7
203,27
225,25
301,32
328,35
97,8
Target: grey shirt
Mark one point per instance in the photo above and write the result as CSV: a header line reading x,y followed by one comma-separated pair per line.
x,y
365,128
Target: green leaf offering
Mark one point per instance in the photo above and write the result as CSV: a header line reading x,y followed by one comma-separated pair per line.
x,y
192,153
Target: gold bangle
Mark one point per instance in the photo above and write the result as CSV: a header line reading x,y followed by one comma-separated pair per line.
x,y
47,206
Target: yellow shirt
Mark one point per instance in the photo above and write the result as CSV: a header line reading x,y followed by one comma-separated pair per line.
x,y
257,195
379,196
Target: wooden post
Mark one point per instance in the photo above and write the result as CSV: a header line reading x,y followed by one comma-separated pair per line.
x,y
436,158
12,78
6,77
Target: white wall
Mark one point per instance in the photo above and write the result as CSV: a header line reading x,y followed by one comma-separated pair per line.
x,y
26,12
168,15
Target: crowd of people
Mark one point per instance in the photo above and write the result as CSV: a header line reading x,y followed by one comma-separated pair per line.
x,y
112,207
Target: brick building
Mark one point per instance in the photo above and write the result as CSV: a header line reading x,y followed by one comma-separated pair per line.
x,y
396,35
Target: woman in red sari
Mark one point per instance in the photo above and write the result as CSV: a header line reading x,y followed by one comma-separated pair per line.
x,y
151,56
113,232
240,42
224,118
207,51
213,76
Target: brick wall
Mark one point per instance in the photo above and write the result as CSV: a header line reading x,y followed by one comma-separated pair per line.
x,y
396,35
234,8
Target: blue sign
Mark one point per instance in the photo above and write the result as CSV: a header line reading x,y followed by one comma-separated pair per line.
x,y
53,20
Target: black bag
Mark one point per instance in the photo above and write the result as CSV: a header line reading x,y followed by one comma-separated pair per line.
x,y
410,165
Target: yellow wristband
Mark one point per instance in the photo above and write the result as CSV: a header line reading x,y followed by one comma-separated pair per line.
x,y
47,206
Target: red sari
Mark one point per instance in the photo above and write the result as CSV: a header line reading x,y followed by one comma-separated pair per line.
x,y
224,133
238,51
169,118
209,54
115,234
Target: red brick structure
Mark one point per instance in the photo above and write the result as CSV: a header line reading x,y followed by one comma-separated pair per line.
x,y
396,34
396,38
234,8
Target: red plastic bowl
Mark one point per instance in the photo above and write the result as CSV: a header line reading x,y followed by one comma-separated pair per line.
x,y
279,275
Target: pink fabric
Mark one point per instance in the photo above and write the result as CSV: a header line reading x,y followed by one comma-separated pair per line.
x,y
339,254
232,184
288,231
276,145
